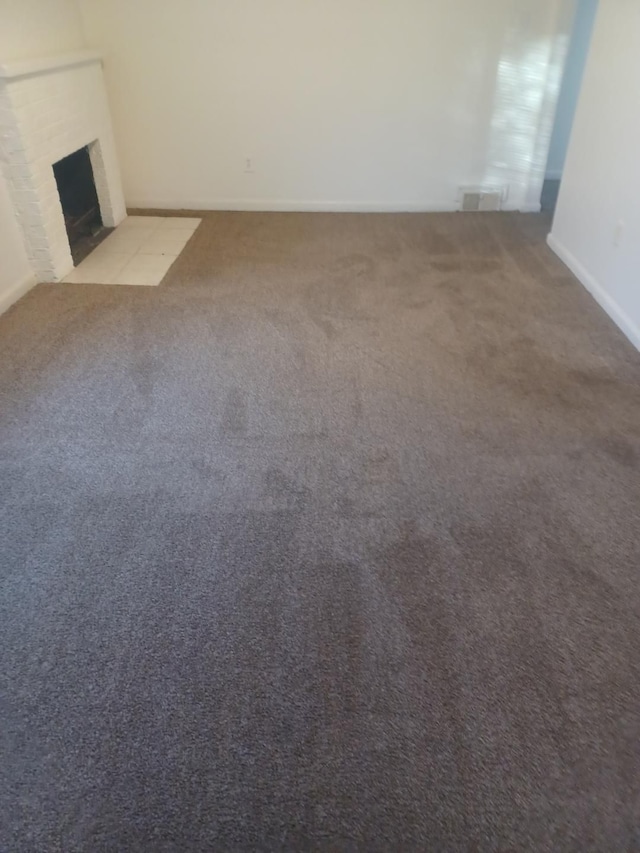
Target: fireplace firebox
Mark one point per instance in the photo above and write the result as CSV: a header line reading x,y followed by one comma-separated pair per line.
x,y
80,205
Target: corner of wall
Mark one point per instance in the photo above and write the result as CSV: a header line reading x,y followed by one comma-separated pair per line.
x,y
16,291
81,22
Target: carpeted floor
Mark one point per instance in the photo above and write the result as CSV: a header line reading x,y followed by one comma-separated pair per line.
x,y
331,542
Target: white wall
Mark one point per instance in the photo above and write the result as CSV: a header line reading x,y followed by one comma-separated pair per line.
x,y
338,104
596,229
16,276
571,85
32,28
28,29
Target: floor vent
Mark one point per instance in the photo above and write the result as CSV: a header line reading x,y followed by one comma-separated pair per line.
x,y
481,201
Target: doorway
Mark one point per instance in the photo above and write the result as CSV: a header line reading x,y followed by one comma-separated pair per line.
x,y
568,100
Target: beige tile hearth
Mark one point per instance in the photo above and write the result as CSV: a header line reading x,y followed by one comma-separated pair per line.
x,y
139,252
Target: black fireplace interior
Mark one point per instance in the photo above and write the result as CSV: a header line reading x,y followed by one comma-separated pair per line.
x,y
77,190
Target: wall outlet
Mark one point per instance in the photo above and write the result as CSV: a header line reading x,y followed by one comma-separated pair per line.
x,y
248,166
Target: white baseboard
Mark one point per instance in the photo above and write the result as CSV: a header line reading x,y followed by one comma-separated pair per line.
x,y
619,317
291,205
295,206
17,290
530,208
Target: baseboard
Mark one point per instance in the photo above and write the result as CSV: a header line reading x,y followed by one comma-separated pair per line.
x,y
291,205
295,206
530,208
619,317
16,291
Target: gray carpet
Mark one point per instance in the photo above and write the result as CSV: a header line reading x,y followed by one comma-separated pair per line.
x,y
331,542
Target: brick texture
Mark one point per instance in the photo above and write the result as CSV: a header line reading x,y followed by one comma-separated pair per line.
x,y
43,118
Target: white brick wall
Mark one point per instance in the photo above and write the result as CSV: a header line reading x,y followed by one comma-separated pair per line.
x,y
46,114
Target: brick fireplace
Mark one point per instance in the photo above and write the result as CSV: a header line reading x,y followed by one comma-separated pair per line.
x,y
49,109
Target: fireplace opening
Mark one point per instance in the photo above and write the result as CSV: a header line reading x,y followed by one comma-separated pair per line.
x,y
80,205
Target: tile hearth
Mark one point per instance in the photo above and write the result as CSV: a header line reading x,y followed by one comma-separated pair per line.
x,y
139,252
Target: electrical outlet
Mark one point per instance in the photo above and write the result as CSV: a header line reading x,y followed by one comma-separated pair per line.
x,y
248,166
618,233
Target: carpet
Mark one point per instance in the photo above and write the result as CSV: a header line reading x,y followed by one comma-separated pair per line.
x,y
330,542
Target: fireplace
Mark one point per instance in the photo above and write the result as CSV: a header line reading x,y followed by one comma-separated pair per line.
x,y
80,205
58,155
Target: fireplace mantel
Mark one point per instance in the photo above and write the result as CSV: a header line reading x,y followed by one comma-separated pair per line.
x,y
45,64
